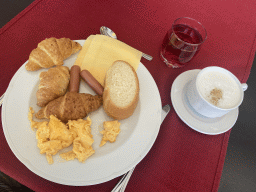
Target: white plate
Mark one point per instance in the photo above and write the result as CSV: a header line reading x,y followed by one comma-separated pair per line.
x,y
202,124
136,138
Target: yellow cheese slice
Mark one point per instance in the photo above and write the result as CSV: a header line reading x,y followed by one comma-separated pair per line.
x,y
99,52
82,53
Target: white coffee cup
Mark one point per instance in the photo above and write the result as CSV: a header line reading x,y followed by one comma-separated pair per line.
x,y
197,99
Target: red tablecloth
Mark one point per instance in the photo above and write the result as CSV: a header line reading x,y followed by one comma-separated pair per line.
x,y
181,159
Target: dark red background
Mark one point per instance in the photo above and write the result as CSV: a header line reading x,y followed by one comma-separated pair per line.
x,y
181,159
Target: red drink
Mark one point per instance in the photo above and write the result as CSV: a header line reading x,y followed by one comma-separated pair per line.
x,y
181,43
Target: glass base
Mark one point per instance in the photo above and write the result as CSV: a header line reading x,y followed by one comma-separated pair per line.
x,y
171,65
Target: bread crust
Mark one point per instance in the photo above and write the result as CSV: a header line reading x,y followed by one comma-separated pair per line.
x,y
110,107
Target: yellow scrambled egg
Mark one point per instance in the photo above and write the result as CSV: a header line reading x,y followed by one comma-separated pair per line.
x,y
110,132
55,135
82,144
34,124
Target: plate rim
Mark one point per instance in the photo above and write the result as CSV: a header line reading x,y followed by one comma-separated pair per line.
x,y
79,183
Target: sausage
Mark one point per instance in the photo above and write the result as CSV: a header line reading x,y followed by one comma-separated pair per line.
x,y
74,78
92,82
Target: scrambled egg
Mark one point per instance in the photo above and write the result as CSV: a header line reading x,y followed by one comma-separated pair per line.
x,y
34,124
82,144
55,135
110,132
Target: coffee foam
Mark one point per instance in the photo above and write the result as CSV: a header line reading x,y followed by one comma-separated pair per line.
x,y
209,81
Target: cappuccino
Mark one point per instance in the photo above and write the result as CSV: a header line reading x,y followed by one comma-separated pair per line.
x,y
219,89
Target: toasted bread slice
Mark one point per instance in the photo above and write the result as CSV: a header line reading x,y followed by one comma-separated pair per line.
x,y
121,90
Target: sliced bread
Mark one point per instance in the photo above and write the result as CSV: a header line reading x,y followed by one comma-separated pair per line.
x,y
121,90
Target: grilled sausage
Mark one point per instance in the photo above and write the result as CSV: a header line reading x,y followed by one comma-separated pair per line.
x,y
74,78
92,82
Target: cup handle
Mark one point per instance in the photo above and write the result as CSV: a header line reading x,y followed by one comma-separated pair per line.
x,y
244,86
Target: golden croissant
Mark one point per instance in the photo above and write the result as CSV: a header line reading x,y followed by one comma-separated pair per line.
x,y
53,84
51,52
71,106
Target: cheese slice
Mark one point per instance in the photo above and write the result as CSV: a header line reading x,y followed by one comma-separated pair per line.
x,y
82,53
99,52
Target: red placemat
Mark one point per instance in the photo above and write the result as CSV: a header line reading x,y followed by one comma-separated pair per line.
x,y
180,159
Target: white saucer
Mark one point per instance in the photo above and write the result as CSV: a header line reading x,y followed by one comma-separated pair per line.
x,y
202,124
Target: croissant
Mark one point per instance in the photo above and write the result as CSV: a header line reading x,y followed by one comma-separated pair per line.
x,y
53,84
71,106
50,52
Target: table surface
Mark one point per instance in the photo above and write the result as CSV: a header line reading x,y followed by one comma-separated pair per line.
x,y
239,172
